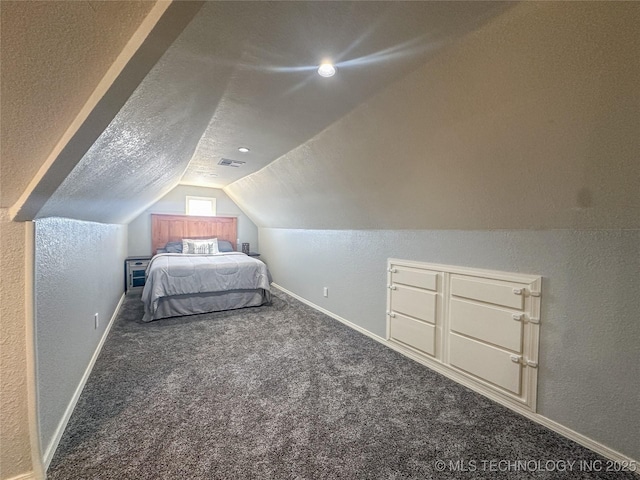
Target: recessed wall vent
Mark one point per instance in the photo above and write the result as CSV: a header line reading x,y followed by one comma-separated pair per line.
x,y
225,162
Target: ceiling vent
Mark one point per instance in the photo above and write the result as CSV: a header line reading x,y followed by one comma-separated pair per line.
x,y
225,162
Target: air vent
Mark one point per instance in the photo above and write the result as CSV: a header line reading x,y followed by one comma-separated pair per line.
x,y
225,162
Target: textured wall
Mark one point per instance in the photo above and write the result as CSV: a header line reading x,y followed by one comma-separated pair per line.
x,y
79,272
589,375
15,454
174,202
42,91
532,121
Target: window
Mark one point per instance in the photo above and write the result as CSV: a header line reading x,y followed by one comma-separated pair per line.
x,y
203,206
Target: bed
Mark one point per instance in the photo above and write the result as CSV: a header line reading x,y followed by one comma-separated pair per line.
x,y
195,270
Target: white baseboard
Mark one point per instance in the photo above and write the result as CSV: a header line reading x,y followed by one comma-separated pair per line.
x,y
536,417
25,476
53,445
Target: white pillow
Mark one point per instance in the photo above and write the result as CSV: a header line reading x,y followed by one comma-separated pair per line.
x,y
200,247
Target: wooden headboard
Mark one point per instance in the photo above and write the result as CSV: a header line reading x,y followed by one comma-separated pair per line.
x,y
171,228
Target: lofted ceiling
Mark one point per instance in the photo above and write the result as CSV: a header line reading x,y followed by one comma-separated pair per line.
x,y
274,100
244,74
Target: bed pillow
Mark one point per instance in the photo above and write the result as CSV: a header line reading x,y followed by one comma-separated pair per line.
x,y
173,247
200,247
225,246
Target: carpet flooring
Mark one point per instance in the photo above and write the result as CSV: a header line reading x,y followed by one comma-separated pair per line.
x,y
285,392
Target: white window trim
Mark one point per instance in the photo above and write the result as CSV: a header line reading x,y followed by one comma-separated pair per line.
x,y
211,200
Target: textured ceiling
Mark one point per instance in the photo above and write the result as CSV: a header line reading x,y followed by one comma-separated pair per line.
x,y
274,100
44,46
530,122
242,74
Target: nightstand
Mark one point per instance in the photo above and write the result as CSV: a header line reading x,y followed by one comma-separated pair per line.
x,y
135,269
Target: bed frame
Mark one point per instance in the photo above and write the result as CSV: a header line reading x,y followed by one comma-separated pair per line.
x,y
172,228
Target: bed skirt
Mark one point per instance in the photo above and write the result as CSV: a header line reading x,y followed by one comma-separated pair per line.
x,y
180,305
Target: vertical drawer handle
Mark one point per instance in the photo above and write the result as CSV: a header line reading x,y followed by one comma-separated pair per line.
x,y
517,291
517,317
515,358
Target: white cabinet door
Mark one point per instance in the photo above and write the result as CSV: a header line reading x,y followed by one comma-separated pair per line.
x,y
490,324
486,362
414,277
414,333
414,302
488,291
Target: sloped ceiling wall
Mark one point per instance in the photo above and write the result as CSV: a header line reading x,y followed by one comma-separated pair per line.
x,y
154,35
530,122
275,101
239,71
145,149
48,75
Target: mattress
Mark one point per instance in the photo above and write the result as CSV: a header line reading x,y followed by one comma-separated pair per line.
x,y
179,284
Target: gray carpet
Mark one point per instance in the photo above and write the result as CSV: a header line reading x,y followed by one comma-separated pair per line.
x,y
283,391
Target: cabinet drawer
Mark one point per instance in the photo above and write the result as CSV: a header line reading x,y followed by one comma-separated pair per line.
x,y
486,362
486,322
416,334
138,264
415,277
488,291
416,303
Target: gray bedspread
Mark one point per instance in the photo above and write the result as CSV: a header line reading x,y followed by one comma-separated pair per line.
x,y
170,274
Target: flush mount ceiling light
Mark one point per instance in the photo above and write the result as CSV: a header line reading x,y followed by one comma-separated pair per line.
x,y
326,70
243,149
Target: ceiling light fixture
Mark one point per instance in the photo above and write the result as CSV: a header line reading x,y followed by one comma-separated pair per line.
x,y
243,149
326,70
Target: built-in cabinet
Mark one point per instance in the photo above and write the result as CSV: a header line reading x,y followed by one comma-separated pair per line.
x,y
479,327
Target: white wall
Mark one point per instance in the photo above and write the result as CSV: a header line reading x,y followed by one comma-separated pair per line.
x,y
174,202
589,375
79,271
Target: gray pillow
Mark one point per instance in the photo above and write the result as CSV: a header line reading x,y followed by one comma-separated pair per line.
x,y
174,247
225,246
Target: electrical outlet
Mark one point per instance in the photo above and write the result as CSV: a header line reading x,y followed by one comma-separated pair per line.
x,y
96,320
325,292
